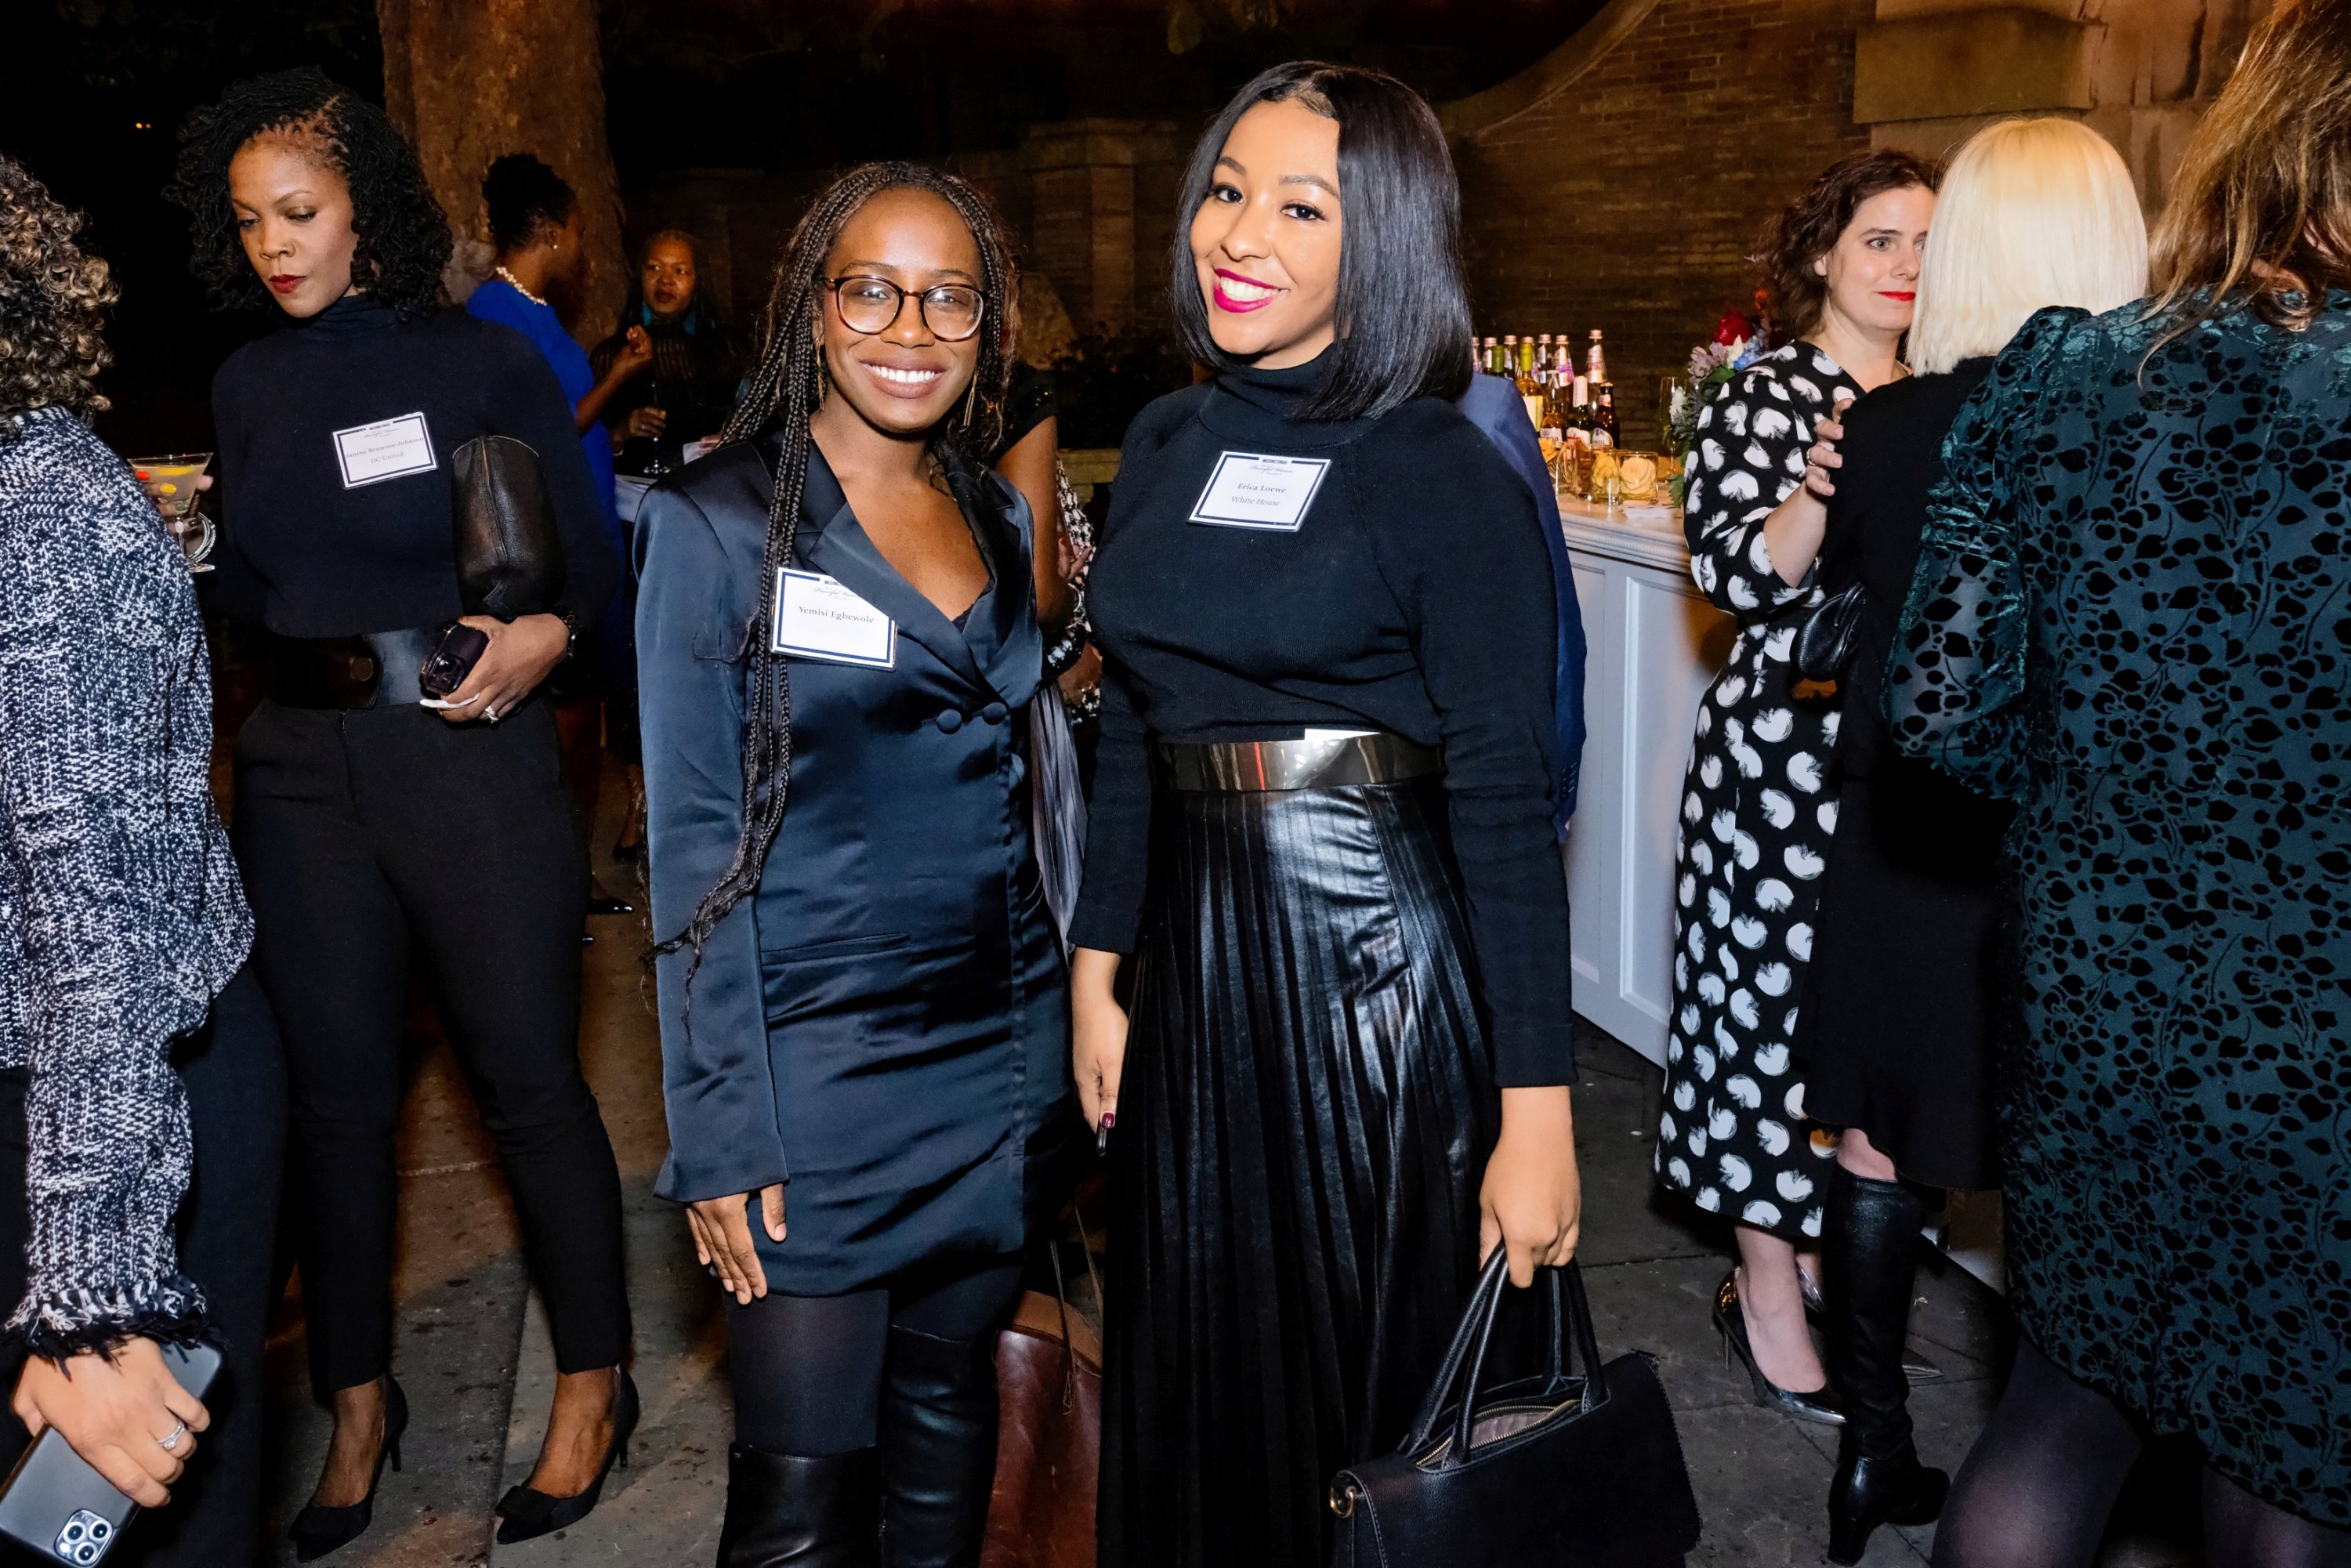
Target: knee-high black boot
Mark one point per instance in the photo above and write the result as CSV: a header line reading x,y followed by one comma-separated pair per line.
x,y
793,1510
1869,1255
938,1448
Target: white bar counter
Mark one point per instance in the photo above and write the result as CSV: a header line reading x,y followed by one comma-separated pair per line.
x,y
1655,643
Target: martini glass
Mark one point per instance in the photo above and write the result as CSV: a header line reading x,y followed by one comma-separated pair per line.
x,y
171,480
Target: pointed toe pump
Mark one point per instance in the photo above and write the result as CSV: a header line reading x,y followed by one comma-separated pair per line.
x,y
319,1529
524,1514
1819,1406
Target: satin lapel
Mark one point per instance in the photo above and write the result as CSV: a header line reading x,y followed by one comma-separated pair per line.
x,y
1012,651
843,550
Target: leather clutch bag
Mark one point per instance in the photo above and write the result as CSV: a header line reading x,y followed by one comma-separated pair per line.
x,y
1825,642
1557,1468
509,555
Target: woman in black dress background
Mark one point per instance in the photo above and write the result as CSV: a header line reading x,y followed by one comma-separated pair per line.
x,y
1323,828
368,827
1901,999
687,390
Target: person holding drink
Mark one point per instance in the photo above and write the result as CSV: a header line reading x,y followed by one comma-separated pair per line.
x,y
692,363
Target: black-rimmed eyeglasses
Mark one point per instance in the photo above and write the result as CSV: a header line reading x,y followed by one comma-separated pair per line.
x,y
866,304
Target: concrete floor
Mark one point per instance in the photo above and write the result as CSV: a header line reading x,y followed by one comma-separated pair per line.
x,y
474,1358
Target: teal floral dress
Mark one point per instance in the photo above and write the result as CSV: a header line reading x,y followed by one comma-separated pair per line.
x,y
2132,616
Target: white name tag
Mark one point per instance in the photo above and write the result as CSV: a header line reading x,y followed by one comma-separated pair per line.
x,y
1251,490
384,450
816,618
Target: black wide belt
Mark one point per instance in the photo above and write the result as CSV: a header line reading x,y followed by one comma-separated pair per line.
x,y
375,669
1249,767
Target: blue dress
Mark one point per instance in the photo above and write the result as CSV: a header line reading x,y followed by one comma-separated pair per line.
x,y
2131,618
884,1025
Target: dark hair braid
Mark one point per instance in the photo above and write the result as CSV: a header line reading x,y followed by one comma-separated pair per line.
x,y
785,386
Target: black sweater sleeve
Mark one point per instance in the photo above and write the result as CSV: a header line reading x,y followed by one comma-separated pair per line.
x,y
521,398
1457,537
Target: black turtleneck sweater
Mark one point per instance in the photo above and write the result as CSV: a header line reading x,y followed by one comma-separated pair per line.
x,y
307,555
1414,597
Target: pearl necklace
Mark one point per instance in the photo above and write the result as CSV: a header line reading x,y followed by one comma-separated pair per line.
x,y
516,284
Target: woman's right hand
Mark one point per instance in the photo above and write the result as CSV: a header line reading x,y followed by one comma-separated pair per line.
x,y
722,1239
635,353
644,423
1097,1035
115,1411
1822,460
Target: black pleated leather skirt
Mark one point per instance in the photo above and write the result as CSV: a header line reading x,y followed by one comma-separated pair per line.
x,y
1305,1114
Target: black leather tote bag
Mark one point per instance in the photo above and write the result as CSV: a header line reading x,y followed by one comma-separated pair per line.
x,y
1558,1470
509,555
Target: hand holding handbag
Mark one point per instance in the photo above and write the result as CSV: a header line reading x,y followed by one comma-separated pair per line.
x,y
1555,1468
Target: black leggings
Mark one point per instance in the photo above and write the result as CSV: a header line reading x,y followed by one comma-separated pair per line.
x,y
364,836
2044,1476
807,1370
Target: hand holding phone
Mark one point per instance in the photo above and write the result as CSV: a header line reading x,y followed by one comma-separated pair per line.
x,y
71,1507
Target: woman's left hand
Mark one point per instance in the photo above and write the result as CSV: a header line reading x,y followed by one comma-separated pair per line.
x,y
522,653
1532,1200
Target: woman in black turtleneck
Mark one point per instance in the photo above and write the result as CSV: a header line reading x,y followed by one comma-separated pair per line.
x,y
1321,825
368,827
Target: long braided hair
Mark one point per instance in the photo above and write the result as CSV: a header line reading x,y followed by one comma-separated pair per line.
x,y
786,385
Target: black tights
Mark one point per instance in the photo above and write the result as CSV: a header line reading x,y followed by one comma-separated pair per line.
x,y
2041,1480
807,1370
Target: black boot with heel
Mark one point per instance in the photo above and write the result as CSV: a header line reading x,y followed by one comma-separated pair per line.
x,y
1869,1254
797,1510
938,1448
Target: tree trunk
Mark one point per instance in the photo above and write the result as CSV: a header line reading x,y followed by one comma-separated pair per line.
x,y
471,80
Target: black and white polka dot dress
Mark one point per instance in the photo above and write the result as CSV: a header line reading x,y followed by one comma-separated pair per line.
x,y
1756,819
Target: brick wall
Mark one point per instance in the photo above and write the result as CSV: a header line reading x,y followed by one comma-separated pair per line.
x,y
1629,196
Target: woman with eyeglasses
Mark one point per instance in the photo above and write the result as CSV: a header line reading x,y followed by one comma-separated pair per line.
x,y
864,1011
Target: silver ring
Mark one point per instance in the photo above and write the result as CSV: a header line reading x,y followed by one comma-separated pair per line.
x,y
491,713
179,1430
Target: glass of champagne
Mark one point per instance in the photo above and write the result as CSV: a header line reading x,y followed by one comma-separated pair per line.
x,y
171,482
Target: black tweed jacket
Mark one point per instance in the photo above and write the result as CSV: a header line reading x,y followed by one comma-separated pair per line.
x,y
120,913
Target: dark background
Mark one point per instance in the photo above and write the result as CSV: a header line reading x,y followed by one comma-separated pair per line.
x,y
100,88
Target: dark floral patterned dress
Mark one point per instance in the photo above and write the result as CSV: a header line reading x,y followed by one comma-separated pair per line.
x,y
1757,815
2133,617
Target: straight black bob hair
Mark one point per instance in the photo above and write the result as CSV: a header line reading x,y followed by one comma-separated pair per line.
x,y
1403,309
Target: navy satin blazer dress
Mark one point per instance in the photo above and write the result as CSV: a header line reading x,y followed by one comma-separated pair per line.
x,y
884,1025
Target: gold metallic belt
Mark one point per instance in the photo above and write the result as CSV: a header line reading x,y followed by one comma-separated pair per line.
x,y
1243,766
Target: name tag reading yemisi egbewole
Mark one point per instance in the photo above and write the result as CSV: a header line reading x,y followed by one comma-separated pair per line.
x,y
1259,490
816,618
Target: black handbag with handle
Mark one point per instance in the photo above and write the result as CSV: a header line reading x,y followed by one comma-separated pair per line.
x,y
1560,1468
509,555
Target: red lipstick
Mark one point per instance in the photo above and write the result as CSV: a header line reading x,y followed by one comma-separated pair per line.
x,y
285,282
1896,294
1237,304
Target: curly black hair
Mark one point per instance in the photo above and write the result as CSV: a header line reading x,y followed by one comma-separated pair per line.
x,y
53,300
520,194
403,235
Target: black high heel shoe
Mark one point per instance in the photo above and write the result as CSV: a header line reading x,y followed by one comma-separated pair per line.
x,y
525,1515
1730,1320
319,1529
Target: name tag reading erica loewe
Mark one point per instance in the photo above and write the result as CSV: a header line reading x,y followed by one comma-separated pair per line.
x,y
1258,490
816,618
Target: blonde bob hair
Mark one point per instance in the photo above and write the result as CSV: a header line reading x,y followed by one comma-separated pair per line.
x,y
2034,212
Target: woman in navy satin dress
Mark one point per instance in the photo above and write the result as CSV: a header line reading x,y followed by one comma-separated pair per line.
x,y
863,1002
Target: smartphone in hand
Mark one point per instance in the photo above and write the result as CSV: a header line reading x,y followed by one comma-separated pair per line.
x,y
55,1506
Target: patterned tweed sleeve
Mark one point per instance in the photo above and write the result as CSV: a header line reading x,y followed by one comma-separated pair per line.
x,y
121,914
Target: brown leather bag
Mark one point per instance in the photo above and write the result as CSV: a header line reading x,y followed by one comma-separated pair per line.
x,y
1048,1439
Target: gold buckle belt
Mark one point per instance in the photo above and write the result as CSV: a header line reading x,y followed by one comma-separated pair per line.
x,y
1246,767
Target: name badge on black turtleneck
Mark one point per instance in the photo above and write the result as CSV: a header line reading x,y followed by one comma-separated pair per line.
x,y
384,450
1258,490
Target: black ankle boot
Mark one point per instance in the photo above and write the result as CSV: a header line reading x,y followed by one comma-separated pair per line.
x,y
807,1512
1869,1254
938,1449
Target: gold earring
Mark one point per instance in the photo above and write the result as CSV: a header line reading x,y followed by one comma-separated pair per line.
x,y
971,398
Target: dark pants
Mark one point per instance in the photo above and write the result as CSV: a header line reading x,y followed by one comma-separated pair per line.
x,y
807,1370
365,836
236,1108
